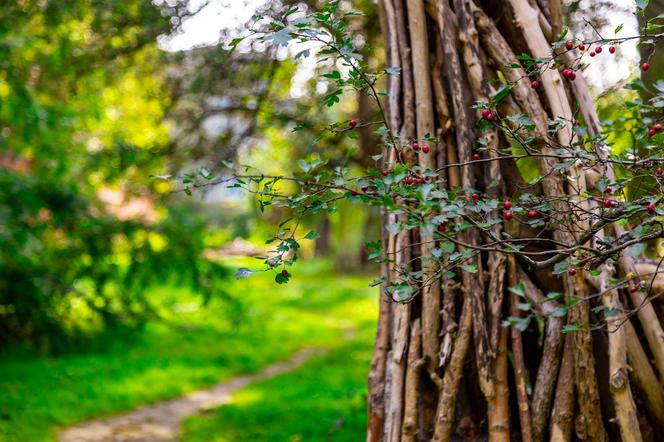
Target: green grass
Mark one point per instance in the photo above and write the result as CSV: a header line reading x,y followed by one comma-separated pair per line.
x,y
193,348
324,400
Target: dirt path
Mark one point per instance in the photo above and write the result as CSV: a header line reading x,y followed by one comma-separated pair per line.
x,y
160,422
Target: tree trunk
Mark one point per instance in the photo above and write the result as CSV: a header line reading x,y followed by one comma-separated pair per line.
x,y
447,348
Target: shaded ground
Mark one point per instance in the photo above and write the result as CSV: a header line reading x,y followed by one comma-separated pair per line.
x,y
160,422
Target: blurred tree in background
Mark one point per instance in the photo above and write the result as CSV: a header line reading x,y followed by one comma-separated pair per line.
x,y
83,100
94,113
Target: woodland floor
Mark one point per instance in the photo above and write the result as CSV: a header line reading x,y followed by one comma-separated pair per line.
x,y
197,349
160,422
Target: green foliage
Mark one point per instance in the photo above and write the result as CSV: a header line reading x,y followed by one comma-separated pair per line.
x,y
324,400
83,102
193,346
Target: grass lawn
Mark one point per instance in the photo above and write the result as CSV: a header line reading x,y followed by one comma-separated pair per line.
x,y
324,400
196,347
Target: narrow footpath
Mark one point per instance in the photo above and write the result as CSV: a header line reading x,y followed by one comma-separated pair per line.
x,y
160,422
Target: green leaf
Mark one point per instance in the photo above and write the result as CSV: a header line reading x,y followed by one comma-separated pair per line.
x,y
500,95
242,273
282,279
311,235
381,131
519,290
636,250
378,281
571,328
470,268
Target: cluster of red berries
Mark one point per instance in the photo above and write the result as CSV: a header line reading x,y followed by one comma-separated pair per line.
x,y
486,113
532,213
569,74
410,180
508,213
416,147
656,128
608,203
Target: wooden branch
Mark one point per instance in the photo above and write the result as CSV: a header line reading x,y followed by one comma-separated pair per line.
x,y
424,114
498,409
450,385
464,139
563,406
519,364
543,392
408,129
644,377
652,328
409,426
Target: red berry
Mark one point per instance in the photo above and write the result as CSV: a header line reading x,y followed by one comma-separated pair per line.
x,y
476,196
353,192
490,117
386,173
571,271
635,288
569,45
476,156
612,49
607,203
419,181
425,149
534,84
486,112
651,132
608,189
598,50
651,208
507,205
409,180
591,53
645,67
659,171
657,127
566,72
581,47
284,272
352,123
572,76
416,146
532,213
508,215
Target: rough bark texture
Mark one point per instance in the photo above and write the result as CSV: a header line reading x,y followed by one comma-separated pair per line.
x,y
444,366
